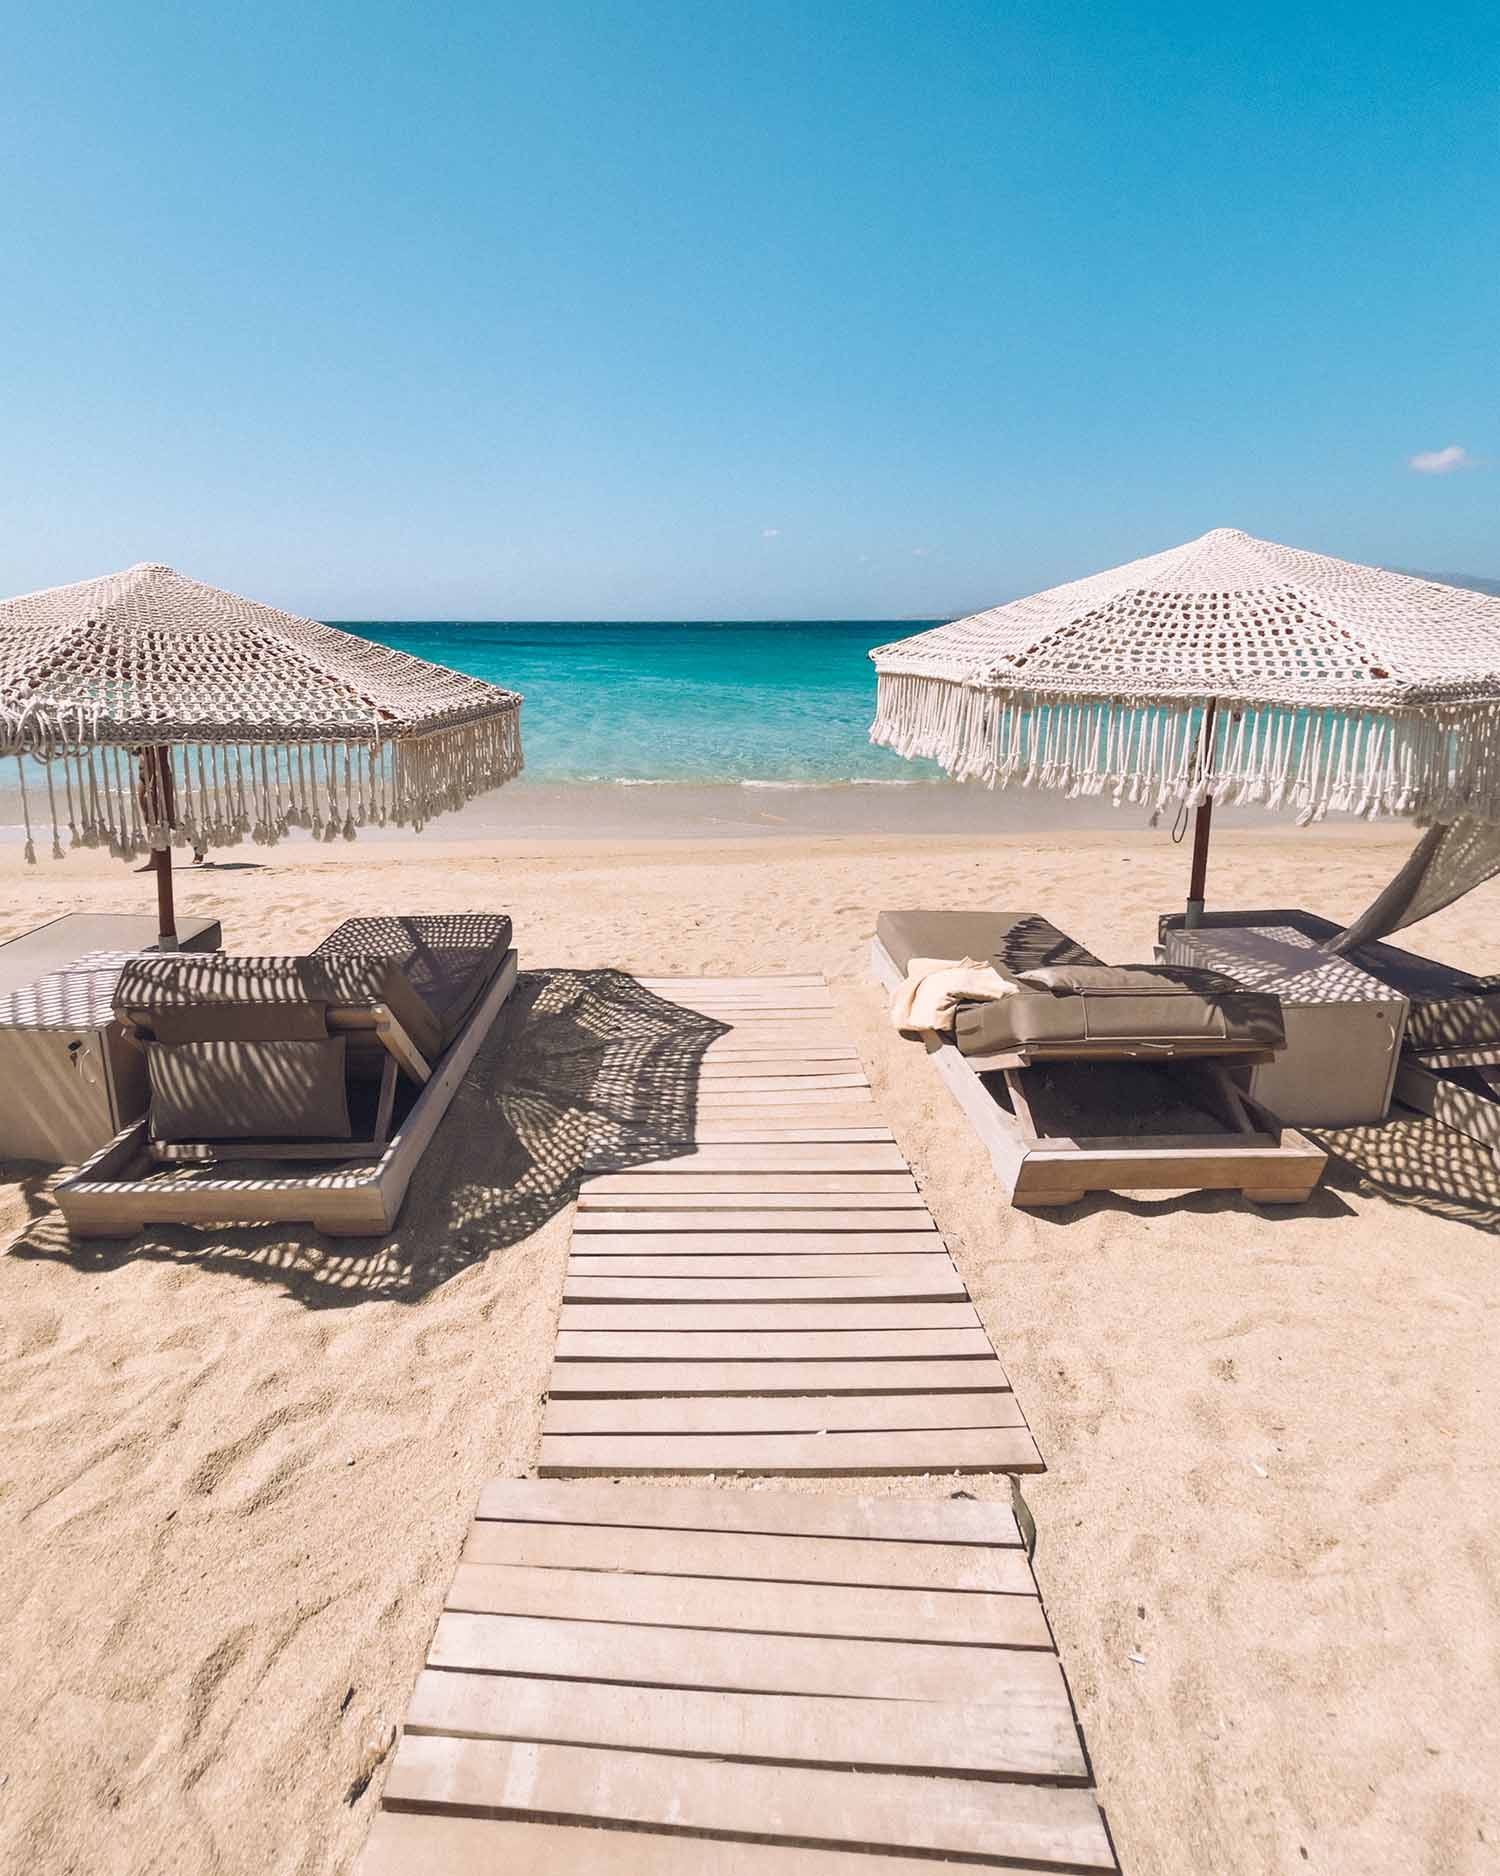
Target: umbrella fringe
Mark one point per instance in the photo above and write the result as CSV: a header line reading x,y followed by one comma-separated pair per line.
x,y
1436,764
225,792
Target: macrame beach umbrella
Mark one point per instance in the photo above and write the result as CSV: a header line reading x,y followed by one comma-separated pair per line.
x,y
1229,669
164,712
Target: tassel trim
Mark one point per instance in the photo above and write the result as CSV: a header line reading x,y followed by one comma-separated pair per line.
x,y
1435,765
224,793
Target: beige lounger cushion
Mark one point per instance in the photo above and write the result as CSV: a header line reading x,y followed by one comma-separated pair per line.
x,y
1151,1006
448,958
270,995
237,1090
1015,941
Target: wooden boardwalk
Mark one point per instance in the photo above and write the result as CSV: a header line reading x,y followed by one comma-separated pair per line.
x,y
775,1298
636,1680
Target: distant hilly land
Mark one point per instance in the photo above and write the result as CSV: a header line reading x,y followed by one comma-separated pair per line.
x,y
1471,580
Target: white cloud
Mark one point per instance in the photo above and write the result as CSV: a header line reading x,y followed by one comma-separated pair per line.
x,y
769,534
920,553
1440,462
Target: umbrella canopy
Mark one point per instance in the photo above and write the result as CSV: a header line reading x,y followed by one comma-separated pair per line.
x,y
1229,668
163,710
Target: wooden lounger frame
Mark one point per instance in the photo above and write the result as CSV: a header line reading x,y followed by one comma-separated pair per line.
x,y
1255,1154
114,1194
1434,1090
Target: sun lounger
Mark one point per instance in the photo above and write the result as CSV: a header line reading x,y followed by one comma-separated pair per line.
x,y
1098,1077
345,1059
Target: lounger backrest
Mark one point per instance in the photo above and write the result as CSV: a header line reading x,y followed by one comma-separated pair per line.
x,y
200,997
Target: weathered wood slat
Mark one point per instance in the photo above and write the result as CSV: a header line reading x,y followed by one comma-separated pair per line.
x,y
421,1843
819,1455
780,1514
936,1268
725,1086
770,1557
825,1157
719,1096
634,1218
940,1286
808,979
745,1132
715,1070
744,1604
798,1413
649,1656
1030,1737
762,1243
726,1318
611,1380
880,1811
660,1200
669,1179
772,1345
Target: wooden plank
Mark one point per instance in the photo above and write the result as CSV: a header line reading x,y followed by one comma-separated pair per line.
x,y
795,1002
736,1049
921,1240
747,1605
1032,1738
421,1843
935,1268
819,1455
642,1216
732,1318
782,1082
654,1656
740,1208
798,1116
808,1097
799,1413
776,1157
612,1380
788,1514
646,1184
705,982
748,1133
1000,1570
883,1811
938,1286
734,1067
776,1038
772,1345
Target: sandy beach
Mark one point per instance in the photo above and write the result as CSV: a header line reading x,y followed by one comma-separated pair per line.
x,y
235,1467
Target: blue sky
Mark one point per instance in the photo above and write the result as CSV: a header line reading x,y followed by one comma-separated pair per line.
x,y
762,310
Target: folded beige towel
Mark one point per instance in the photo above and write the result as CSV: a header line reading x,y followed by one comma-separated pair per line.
x,y
934,988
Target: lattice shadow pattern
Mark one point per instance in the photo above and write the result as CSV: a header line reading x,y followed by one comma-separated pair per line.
x,y
584,1069
1414,1160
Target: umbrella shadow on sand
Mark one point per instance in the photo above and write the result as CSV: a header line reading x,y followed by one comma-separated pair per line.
x,y
1414,1160
585,1071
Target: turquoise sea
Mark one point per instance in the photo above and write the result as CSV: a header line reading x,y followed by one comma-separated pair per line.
x,y
705,702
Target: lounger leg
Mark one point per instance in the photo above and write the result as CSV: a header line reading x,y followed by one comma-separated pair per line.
x,y
387,1101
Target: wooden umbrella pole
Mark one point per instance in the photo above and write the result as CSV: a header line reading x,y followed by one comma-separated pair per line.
x,y
160,800
1202,829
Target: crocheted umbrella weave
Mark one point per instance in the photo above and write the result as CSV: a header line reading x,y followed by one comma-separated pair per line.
x,y
1332,685
262,720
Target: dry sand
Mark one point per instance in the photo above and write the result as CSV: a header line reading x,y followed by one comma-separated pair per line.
x,y
235,1468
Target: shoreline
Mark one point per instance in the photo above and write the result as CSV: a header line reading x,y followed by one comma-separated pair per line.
x,y
753,811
